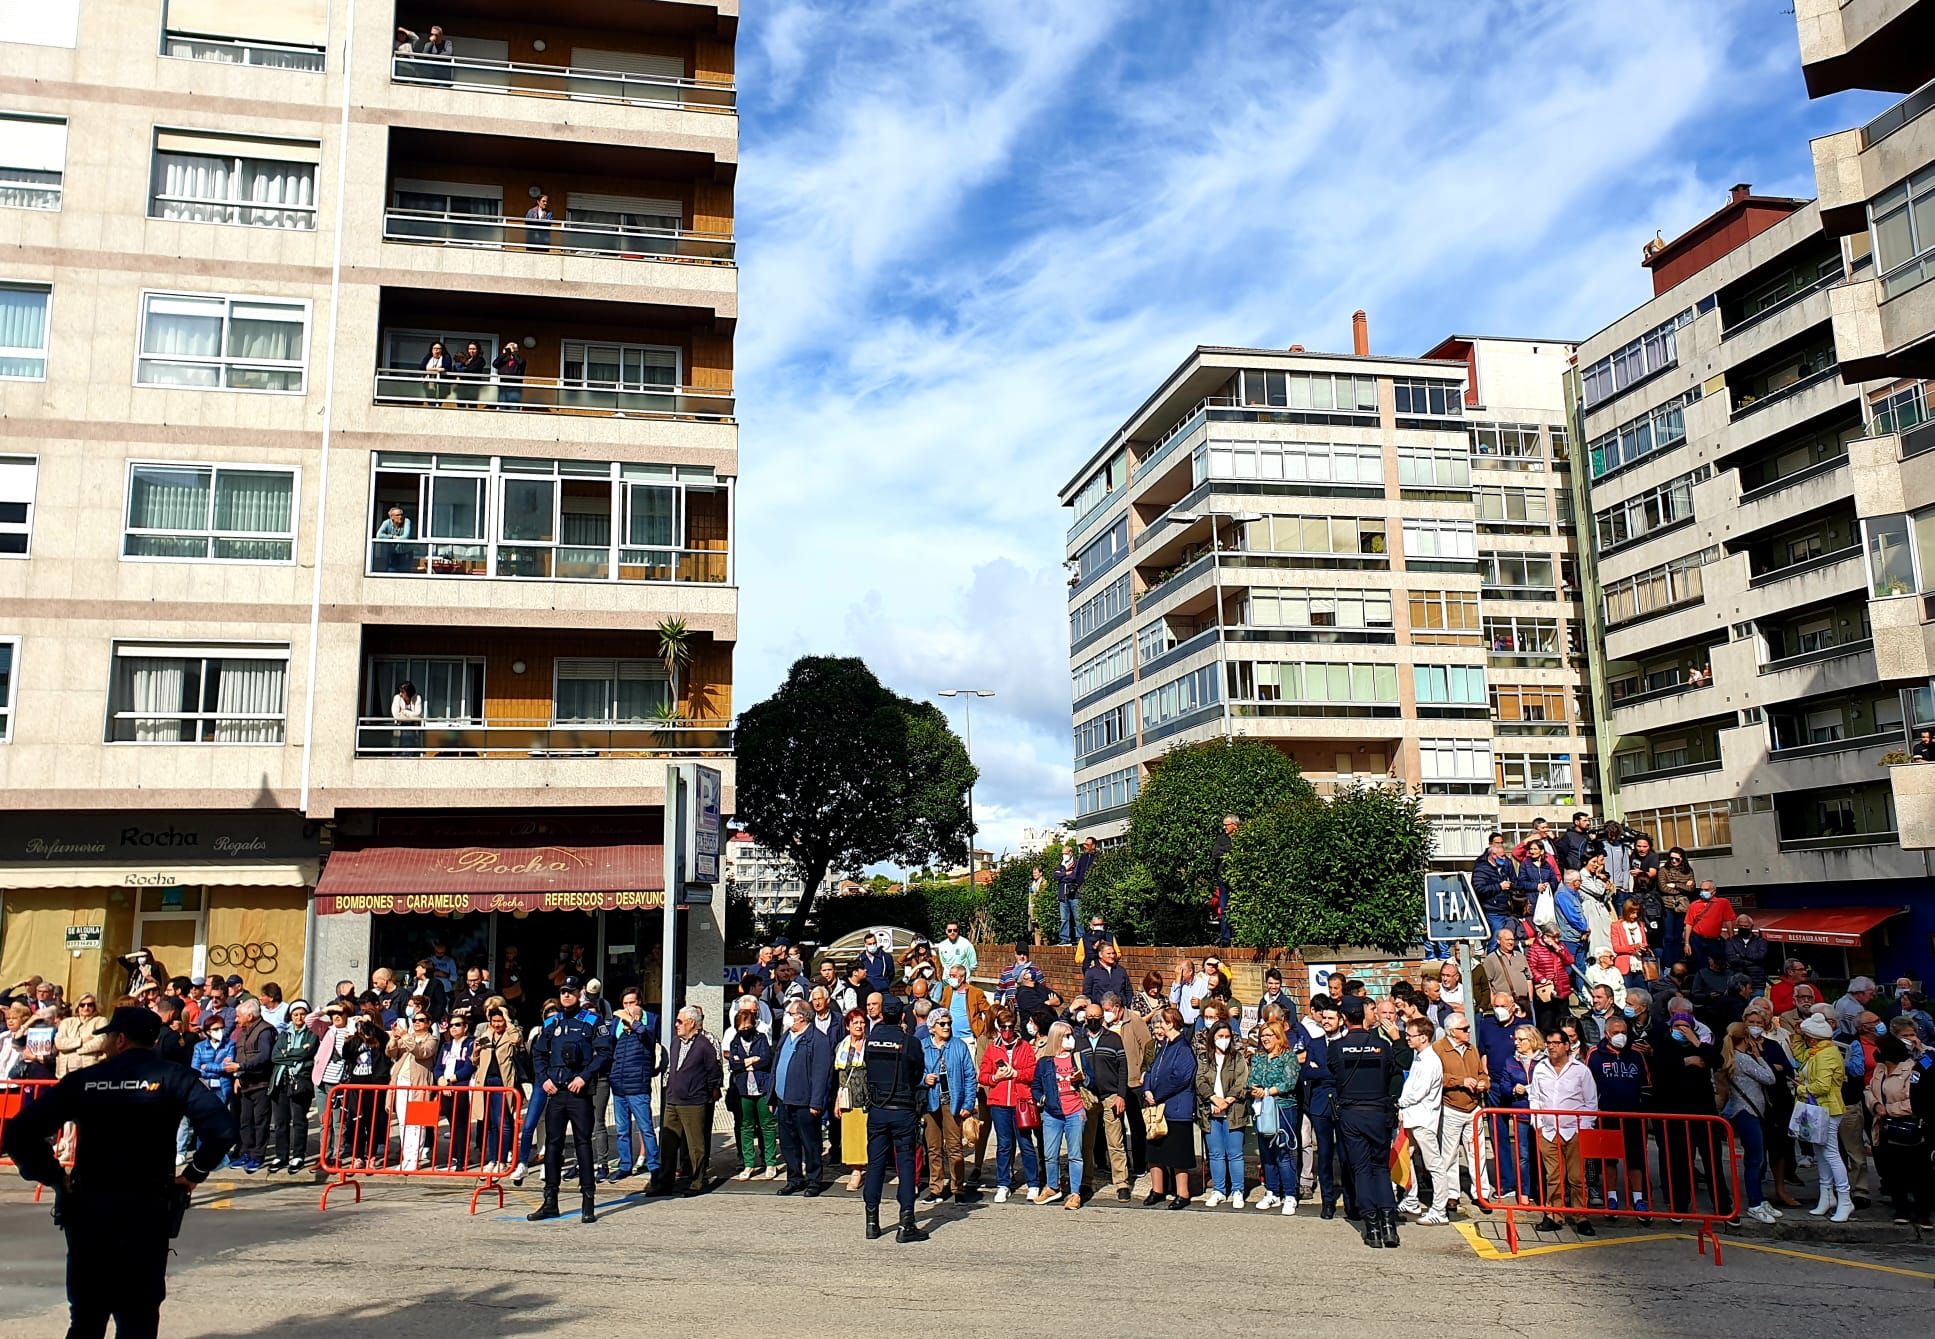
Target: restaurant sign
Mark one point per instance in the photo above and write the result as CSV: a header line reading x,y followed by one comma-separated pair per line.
x,y
452,904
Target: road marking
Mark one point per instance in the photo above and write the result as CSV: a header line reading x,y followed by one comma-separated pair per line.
x,y
1832,1260
1486,1249
225,1202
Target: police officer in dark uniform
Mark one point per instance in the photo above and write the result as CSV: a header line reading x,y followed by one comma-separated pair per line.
x,y
123,1200
1367,1076
568,1055
895,1068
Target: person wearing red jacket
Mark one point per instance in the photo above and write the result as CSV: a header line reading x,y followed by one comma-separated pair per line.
x,y
1008,1075
1550,963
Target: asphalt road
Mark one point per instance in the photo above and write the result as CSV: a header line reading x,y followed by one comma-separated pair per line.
x,y
256,1258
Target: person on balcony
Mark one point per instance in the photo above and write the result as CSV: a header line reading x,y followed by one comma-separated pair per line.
x,y
406,709
509,366
437,366
1924,748
436,45
537,224
393,535
473,370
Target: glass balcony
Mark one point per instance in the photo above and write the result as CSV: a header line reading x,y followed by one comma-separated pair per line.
x,y
546,562
381,737
550,395
442,228
474,74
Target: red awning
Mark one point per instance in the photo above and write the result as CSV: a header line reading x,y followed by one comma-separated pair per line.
x,y
1837,927
382,879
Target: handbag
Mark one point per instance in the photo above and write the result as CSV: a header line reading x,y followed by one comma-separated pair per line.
x,y
1155,1122
1268,1125
1027,1114
1649,967
1810,1122
1899,1131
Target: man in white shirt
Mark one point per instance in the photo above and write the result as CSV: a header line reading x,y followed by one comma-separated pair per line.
x,y
1420,1110
1189,992
1562,1084
955,951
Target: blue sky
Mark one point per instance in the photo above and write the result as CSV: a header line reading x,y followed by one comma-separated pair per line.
x,y
975,236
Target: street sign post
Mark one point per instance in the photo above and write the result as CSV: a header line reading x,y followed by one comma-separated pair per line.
x,y
1451,910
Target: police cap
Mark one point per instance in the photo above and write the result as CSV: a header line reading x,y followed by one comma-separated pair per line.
x,y
1352,1008
890,1009
574,984
139,1026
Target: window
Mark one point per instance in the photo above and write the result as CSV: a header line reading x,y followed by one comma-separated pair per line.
x,y
219,512
452,687
1179,697
1098,671
1463,761
1655,509
1457,838
1316,536
1891,559
1664,587
1111,791
1697,827
1291,462
286,36
1522,636
1505,442
1549,773
1104,484
40,22
1300,608
1528,703
9,653
23,331
1902,222
33,160
222,343
19,476
1104,550
1517,575
205,178
1899,410
1314,684
1154,642
1109,604
1658,429
1104,731
1444,617
171,693
630,367
1436,399
1449,685
610,692
1632,363
1307,390
1455,540
1433,467
1512,506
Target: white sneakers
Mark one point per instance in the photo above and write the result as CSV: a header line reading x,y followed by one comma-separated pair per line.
x,y
1289,1206
1034,1194
1000,1194
517,1175
1236,1201
1433,1218
1268,1201
1211,1200
1410,1204
1760,1213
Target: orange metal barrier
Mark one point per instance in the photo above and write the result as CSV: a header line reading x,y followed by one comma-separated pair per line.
x,y
427,1131
1681,1167
17,1093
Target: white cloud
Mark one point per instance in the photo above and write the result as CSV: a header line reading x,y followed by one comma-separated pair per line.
x,y
975,237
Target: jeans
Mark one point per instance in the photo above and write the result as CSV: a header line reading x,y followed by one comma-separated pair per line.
x,y
1328,1155
1055,1131
533,1117
1578,947
1278,1159
1747,1126
1225,1147
498,1138
1496,921
1512,1151
1004,1150
627,1110
1071,910
1436,950
799,1142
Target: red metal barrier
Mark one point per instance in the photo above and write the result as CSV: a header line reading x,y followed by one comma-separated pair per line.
x,y
17,1093
1662,1159
446,1132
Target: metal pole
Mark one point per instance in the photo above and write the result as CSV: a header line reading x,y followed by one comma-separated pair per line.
x,y
967,746
674,893
1222,654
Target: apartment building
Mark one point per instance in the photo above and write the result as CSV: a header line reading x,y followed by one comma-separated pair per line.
x,y
332,360
1363,559
768,879
1740,575
1876,187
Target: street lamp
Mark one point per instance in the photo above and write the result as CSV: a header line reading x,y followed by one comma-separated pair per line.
x,y
967,743
1216,519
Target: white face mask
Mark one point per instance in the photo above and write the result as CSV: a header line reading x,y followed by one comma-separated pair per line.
x,y
214,1034
1222,1043
1108,1017
1617,1041
1503,1015
1753,1031
1068,1043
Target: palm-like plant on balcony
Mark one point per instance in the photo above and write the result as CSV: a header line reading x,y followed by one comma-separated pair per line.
x,y
674,649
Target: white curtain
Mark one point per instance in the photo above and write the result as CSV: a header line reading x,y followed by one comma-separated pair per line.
x,y
153,685
23,328
259,333
249,687
176,327
204,180
168,499
256,501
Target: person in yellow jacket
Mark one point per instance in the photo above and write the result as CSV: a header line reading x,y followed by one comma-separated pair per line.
x,y
1819,1082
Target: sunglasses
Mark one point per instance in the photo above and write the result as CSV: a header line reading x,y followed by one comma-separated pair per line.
x,y
86,1004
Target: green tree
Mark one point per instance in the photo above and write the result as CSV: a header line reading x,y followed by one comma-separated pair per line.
x,y
1174,821
1346,871
837,771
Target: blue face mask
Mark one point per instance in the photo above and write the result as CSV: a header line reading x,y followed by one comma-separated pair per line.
x,y
1630,1013
1881,1029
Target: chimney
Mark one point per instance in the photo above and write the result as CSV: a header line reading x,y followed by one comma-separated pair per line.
x,y
1740,192
1360,333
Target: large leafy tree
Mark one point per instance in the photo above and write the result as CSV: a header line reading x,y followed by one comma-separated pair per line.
x,y
837,771
1346,871
1175,819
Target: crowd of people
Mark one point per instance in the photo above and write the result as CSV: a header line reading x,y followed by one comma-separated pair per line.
x,y
1167,1085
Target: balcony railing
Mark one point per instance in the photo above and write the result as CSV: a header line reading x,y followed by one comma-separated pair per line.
x,y
1828,747
1656,694
1782,303
1898,115
1792,388
380,737
1815,563
561,81
485,232
242,51
1818,655
550,395
1792,477
1678,769
546,562
22,189
1840,839
1918,439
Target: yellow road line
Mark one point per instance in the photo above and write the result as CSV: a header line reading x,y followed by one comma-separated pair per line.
x,y
1486,1249
1830,1259
224,1202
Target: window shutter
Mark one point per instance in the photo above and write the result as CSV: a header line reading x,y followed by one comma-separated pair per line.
x,y
628,62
